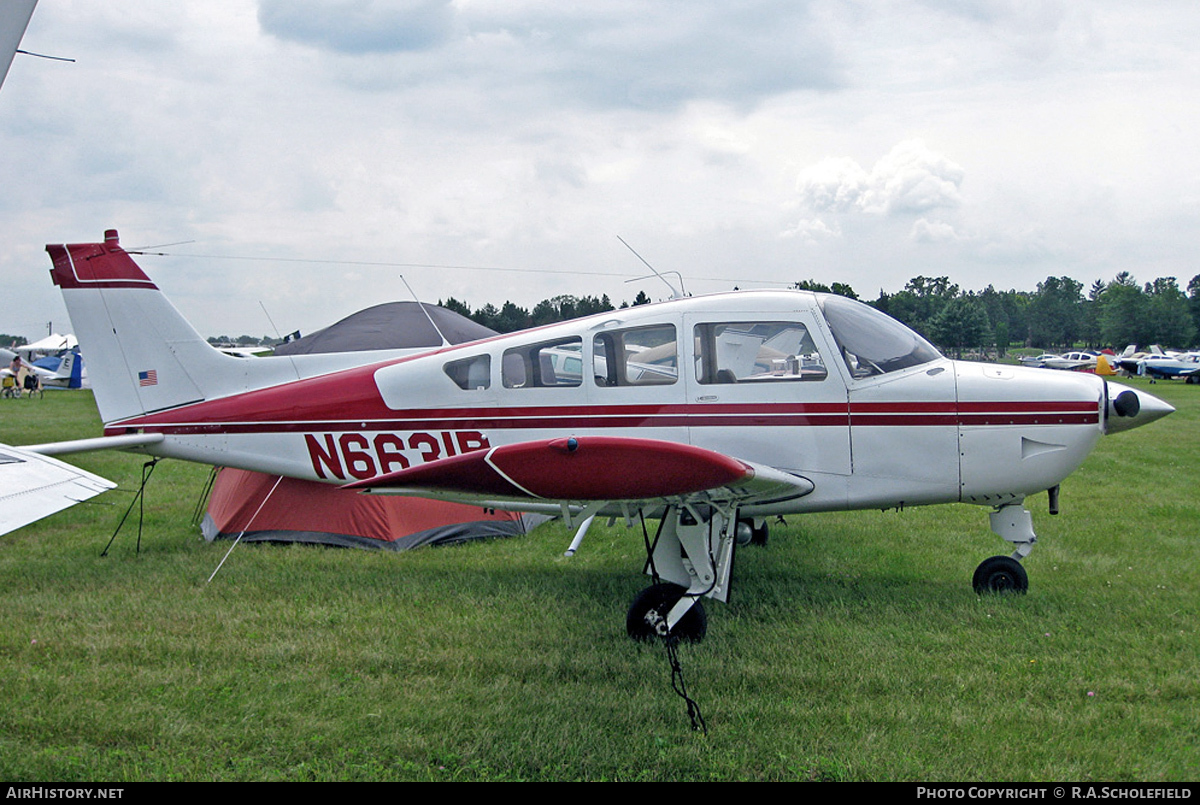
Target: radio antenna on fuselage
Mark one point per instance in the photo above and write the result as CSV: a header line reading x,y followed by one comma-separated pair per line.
x,y
420,304
278,335
676,293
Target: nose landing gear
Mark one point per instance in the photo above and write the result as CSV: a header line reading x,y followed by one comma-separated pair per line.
x,y
1004,574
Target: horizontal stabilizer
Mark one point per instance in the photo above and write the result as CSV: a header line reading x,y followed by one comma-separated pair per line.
x,y
128,441
33,486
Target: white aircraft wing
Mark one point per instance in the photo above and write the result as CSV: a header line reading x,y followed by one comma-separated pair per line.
x,y
547,474
34,486
14,18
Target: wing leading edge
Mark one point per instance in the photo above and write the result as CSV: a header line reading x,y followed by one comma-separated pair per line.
x,y
527,476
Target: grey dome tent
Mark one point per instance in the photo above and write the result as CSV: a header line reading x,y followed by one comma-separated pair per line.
x,y
392,325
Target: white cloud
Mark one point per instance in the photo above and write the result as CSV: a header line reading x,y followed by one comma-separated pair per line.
x,y
926,231
910,178
606,55
723,140
812,231
836,184
359,26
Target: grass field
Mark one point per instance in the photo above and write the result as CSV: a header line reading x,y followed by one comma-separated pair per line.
x,y
854,648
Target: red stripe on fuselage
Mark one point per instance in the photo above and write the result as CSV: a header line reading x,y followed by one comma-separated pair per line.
x,y
229,416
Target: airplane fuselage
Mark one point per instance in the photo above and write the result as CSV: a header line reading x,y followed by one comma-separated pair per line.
x,y
760,376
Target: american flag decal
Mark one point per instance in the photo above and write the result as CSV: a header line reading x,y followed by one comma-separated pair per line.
x,y
149,378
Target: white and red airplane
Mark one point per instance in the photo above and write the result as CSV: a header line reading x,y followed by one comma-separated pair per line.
x,y
709,414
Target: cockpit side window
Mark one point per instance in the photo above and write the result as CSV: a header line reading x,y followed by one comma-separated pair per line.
x,y
639,356
550,364
871,342
757,351
472,373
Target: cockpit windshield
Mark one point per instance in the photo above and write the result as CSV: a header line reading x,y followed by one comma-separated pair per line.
x,y
873,343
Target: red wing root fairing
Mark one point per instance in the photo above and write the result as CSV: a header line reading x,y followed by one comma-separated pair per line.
x,y
581,469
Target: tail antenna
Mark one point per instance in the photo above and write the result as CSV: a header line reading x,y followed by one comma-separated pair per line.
x,y
676,293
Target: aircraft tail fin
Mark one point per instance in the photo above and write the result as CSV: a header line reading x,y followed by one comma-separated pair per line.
x,y
142,354
70,371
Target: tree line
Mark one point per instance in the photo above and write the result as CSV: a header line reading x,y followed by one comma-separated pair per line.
x,y
510,317
1058,315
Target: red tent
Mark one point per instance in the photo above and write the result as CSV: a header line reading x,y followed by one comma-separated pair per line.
x,y
307,511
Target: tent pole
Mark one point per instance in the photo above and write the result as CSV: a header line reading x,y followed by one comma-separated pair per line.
x,y
247,528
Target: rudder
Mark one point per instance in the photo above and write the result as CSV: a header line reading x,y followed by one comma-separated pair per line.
x,y
142,354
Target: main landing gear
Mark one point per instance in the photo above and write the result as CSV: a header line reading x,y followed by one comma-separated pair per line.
x,y
693,554
752,532
692,558
648,615
1004,574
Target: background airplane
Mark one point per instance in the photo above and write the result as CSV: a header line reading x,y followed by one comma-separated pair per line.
x,y
1068,361
709,414
1159,364
69,373
1167,367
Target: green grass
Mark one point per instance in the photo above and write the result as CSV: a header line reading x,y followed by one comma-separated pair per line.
x,y
854,648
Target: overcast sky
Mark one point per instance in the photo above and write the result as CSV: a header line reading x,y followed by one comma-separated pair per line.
x,y
738,143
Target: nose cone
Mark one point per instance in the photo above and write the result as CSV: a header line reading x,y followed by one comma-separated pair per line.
x,y
1130,408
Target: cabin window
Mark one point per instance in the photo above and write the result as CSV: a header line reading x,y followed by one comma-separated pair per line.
x,y
639,356
550,364
470,374
871,342
757,351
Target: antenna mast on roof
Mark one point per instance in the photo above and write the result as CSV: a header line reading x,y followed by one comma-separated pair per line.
x,y
676,293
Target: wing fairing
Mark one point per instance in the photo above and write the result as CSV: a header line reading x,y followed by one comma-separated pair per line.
x,y
586,469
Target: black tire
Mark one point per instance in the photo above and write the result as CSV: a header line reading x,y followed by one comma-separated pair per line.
x,y
1000,574
659,599
749,534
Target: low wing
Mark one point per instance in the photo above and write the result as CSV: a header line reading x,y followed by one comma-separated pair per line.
x,y
14,18
545,474
34,486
